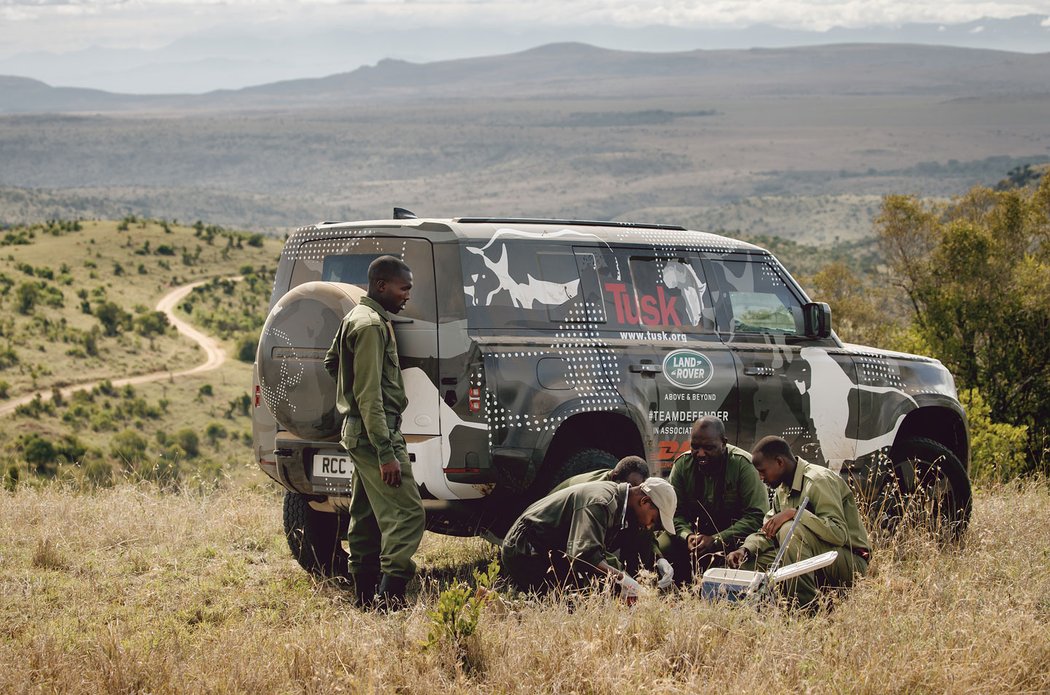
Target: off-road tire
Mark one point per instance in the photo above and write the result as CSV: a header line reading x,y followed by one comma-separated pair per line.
x,y
583,461
926,487
315,538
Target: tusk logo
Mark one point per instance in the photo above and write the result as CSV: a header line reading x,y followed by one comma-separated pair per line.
x,y
688,369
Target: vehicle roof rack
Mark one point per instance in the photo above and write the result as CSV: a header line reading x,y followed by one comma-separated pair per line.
x,y
591,223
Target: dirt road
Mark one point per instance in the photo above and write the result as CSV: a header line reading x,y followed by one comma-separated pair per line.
x,y
213,353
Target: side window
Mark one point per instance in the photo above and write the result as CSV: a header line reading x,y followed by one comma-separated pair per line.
x,y
347,260
520,285
751,297
625,288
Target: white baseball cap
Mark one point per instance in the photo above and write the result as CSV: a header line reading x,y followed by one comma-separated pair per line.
x,y
664,497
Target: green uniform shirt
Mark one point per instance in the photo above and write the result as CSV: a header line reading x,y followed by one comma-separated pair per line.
x,y
598,476
582,520
369,386
831,514
726,501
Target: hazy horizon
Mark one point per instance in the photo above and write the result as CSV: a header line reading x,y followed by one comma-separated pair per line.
x,y
193,46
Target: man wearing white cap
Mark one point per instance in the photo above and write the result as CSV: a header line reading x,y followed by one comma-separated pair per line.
x,y
560,541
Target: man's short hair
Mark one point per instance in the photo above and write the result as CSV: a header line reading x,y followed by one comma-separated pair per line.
x,y
386,268
628,465
710,421
772,446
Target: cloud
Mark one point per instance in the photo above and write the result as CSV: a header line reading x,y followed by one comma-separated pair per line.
x,y
28,24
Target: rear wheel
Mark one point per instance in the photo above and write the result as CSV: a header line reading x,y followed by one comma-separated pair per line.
x,y
584,461
315,538
924,486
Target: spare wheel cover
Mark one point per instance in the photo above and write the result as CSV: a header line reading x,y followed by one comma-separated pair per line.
x,y
296,335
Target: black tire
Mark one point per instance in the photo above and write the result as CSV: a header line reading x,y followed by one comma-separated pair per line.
x,y
315,538
583,461
926,487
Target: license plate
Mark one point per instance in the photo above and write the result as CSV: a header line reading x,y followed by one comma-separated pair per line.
x,y
333,465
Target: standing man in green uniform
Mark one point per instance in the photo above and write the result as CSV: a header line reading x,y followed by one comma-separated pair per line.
x,y
561,540
386,513
720,500
831,521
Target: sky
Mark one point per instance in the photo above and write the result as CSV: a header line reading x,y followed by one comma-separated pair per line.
x,y
68,25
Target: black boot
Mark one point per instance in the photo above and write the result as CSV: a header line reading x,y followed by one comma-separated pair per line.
x,y
365,584
391,593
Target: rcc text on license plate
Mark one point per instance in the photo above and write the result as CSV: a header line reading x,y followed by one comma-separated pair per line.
x,y
332,464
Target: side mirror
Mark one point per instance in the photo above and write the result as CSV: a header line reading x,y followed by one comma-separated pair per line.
x,y
816,317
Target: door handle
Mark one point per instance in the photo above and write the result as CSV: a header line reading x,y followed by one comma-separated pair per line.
x,y
759,371
645,368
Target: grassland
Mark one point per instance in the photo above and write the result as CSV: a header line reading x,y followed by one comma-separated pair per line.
x,y
129,589
78,307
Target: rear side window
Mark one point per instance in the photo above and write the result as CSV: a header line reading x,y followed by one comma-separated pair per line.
x,y
347,260
751,297
520,285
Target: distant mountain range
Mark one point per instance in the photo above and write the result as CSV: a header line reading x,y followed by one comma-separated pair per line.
x,y
235,58
578,70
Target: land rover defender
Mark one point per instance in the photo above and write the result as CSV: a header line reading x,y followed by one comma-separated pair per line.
x,y
533,350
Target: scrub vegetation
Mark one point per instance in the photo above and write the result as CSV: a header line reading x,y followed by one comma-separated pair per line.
x,y
132,589
78,304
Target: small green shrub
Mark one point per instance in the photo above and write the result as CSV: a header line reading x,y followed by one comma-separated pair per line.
x,y
188,441
997,449
458,610
129,448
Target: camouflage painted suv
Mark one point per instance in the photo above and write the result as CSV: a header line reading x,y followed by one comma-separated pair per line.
x,y
533,350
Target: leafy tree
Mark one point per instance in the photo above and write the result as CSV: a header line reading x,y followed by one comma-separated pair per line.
x,y
113,318
976,273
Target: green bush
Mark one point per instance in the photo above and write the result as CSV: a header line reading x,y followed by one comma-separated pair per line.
x,y
214,432
188,441
997,449
246,347
39,453
151,323
113,318
129,448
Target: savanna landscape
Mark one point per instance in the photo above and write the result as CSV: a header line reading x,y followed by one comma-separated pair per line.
x,y
141,550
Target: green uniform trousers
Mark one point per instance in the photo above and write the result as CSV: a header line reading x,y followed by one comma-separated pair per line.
x,y
386,523
804,545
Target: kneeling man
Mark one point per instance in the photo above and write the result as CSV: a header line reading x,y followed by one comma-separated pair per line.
x,y
831,521
561,540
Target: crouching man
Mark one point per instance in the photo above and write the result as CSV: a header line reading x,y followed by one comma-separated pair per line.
x,y
831,521
720,501
560,541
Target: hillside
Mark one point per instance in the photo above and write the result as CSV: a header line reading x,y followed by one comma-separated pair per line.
x,y
576,70
78,303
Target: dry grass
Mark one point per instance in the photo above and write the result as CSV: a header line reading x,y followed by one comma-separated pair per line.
x,y
131,590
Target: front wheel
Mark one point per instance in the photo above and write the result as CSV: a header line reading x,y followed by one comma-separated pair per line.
x,y
926,486
315,538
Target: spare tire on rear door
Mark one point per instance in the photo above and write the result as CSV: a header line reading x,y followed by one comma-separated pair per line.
x,y
296,335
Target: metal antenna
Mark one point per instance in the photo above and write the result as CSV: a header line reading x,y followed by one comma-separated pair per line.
x,y
764,582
